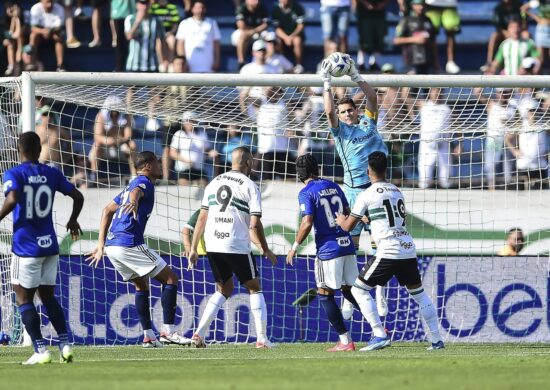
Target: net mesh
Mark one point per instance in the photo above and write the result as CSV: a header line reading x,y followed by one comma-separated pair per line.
x,y
472,163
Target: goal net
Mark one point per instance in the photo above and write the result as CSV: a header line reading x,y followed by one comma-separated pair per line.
x,y
469,153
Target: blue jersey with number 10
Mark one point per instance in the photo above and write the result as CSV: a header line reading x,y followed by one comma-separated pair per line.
x,y
35,185
322,199
126,230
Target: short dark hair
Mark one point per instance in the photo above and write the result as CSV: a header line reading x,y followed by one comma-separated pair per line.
x,y
144,158
514,230
306,167
346,100
243,149
29,144
378,162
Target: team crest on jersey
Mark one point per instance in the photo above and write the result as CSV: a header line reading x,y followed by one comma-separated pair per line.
x,y
7,185
343,241
142,185
44,241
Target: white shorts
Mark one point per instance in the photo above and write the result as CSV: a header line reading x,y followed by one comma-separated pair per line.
x,y
135,262
31,272
336,272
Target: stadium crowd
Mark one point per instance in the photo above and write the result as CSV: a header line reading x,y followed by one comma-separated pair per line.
x,y
174,36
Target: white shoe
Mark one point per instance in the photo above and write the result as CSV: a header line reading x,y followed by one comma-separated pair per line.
x,y
66,355
174,338
38,358
151,343
452,67
347,309
381,303
264,344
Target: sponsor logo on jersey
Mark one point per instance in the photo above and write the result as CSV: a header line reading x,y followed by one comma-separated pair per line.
x,y
44,241
221,235
223,219
343,241
406,245
400,233
227,177
38,179
7,185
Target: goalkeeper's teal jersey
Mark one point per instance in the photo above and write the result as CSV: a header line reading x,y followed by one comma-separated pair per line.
x,y
354,143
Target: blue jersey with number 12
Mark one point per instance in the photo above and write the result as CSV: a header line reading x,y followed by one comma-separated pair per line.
x,y
322,199
126,230
35,185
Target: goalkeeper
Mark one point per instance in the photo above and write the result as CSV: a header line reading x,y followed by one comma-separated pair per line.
x,y
356,137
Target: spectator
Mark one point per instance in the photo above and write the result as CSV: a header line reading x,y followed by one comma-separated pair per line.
x,y
54,139
335,15
252,18
444,13
47,21
144,32
513,50
417,32
504,12
274,57
13,37
96,23
112,137
514,243
274,144
435,117
198,41
30,64
235,138
72,42
371,25
120,9
530,148
189,149
169,15
288,18
540,14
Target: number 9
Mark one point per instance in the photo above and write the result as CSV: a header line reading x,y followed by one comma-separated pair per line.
x,y
223,197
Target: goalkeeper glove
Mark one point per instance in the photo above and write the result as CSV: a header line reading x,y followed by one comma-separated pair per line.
x,y
353,73
326,67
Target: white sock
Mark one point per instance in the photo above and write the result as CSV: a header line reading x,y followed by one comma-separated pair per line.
x,y
149,333
428,312
344,338
168,328
368,309
259,311
210,312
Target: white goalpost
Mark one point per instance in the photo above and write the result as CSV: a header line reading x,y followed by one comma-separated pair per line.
x,y
470,154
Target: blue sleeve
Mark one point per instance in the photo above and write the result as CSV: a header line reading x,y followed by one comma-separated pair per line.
x,y
306,203
63,185
10,182
118,199
144,185
345,202
335,131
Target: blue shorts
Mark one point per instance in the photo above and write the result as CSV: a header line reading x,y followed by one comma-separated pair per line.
x,y
335,22
351,195
542,36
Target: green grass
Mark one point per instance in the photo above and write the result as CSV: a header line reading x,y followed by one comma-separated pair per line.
x,y
290,366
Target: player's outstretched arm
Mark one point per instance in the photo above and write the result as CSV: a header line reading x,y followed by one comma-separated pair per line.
x,y
328,98
73,226
106,217
257,236
366,89
9,204
346,222
303,232
197,234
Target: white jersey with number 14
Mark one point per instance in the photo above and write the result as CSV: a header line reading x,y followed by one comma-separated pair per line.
x,y
231,198
384,204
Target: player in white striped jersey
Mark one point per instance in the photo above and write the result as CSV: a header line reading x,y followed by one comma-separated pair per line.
x,y
384,205
230,219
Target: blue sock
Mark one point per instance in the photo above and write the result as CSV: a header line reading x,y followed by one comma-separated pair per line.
x,y
142,306
168,300
349,296
333,313
31,320
57,318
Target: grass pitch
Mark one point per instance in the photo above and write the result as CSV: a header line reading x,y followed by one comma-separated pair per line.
x,y
289,366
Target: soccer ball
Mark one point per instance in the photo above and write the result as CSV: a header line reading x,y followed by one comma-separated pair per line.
x,y
341,64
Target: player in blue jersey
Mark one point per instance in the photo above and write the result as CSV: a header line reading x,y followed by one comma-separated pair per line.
x,y
335,265
121,238
356,137
29,189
